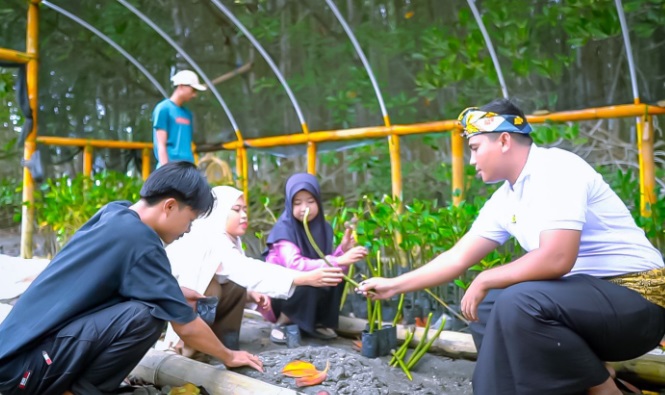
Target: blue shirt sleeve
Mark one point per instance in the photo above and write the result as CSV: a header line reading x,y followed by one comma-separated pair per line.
x,y
160,118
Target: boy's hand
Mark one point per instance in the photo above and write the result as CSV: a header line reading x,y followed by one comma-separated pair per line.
x,y
243,358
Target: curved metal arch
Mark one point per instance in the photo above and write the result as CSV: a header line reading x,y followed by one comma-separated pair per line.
x,y
629,51
189,60
490,47
363,59
268,60
112,43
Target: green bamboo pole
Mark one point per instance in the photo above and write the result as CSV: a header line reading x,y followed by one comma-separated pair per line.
x,y
398,313
370,315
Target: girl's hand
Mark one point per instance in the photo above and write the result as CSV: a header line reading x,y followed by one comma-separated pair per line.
x,y
260,299
347,241
322,277
352,256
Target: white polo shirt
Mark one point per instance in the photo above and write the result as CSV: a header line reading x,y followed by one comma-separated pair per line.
x,y
559,190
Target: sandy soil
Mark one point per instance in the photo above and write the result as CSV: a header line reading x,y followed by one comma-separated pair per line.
x,y
351,373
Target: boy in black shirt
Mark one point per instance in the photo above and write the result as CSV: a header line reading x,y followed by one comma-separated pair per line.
x,y
91,315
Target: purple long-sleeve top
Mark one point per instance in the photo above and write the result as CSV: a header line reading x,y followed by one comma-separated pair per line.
x,y
287,254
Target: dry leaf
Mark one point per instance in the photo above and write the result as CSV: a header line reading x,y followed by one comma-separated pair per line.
x,y
316,379
299,369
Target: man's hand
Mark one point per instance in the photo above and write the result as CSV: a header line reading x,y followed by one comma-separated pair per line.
x,y
322,277
473,296
243,358
377,288
162,155
191,296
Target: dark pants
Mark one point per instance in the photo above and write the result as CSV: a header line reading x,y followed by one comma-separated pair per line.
x,y
552,337
310,307
89,356
228,315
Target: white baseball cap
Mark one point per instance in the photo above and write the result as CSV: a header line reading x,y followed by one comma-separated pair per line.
x,y
187,77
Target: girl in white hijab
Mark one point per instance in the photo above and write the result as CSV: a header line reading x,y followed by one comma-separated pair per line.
x,y
209,261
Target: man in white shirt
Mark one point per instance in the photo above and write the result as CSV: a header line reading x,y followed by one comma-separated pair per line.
x,y
546,322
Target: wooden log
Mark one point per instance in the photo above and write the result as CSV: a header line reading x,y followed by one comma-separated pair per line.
x,y
449,343
161,368
649,368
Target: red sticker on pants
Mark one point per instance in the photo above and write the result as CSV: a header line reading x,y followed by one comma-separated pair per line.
x,y
24,379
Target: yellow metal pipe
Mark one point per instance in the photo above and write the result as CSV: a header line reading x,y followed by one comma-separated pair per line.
x,y
32,48
457,145
311,151
245,175
146,154
15,56
627,110
620,111
395,162
645,141
311,158
87,161
239,170
77,142
196,154
344,134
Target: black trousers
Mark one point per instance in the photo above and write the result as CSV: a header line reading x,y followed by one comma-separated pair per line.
x,y
311,306
89,356
553,337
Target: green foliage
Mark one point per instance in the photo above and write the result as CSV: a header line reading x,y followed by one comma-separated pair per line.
x,y
10,201
65,204
549,133
407,239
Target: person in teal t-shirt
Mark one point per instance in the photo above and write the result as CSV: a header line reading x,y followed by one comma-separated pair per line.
x,y
172,124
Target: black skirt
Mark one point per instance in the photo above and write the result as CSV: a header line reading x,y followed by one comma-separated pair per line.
x,y
311,307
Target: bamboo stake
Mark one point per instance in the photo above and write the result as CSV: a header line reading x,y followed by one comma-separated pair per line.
x,y
417,355
444,304
423,340
404,347
398,313
401,365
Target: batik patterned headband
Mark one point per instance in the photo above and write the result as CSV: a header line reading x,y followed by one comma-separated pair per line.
x,y
475,121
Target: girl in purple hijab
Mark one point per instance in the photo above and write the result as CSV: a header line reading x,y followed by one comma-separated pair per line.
x,y
314,310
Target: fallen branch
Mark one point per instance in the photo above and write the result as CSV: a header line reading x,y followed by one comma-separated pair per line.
x,y
227,76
